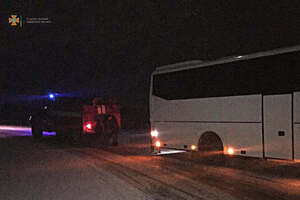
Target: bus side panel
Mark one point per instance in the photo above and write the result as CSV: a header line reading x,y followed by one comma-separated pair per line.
x,y
224,109
297,125
237,120
245,138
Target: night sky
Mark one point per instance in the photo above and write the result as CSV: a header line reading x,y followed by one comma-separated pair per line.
x,y
111,47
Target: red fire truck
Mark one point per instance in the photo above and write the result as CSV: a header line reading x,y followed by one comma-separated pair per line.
x,y
96,120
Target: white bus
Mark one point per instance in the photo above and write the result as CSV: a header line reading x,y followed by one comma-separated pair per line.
x,y
246,105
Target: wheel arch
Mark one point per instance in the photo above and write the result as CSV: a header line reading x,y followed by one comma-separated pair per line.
x,y
213,136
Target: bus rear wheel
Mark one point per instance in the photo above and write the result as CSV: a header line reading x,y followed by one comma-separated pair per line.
x,y
211,148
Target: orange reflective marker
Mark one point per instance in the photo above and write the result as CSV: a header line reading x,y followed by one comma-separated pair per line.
x,y
193,147
230,151
157,143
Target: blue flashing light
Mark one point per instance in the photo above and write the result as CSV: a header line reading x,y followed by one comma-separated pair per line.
x,y
51,96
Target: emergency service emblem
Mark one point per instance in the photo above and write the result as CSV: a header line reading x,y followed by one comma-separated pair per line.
x,y
14,20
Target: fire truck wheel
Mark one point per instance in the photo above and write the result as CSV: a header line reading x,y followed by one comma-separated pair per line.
x,y
82,141
37,132
113,140
58,135
76,138
107,130
112,130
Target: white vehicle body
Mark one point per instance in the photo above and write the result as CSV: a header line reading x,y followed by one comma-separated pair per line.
x,y
251,102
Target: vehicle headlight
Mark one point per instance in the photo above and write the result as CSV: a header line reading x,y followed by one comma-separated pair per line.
x,y
154,133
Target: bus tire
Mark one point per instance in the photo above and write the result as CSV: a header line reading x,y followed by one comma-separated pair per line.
x,y
211,148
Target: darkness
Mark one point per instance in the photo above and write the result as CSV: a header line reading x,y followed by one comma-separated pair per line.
x,y
101,48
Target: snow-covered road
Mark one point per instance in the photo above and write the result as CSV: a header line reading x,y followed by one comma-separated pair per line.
x,y
51,170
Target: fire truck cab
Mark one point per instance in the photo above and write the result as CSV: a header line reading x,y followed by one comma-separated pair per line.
x,y
97,120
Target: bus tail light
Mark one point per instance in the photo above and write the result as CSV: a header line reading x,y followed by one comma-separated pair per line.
x,y
154,133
